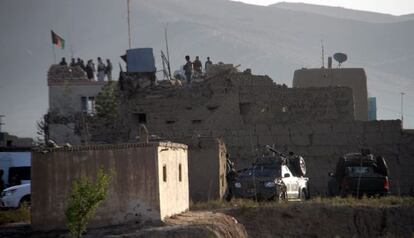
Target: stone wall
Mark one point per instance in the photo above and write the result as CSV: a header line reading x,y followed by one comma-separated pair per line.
x,y
136,191
250,111
207,169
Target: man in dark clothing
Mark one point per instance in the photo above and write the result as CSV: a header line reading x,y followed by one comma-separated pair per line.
x,y
197,66
108,69
231,175
72,63
63,62
80,63
89,69
188,69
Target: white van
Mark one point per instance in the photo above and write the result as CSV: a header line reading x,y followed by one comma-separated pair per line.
x,y
15,166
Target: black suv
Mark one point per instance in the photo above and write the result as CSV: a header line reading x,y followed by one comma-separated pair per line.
x,y
359,174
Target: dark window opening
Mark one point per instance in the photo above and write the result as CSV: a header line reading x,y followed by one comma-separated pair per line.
x,y
164,173
188,108
196,121
9,143
212,108
179,173
140,117
244,108
88,105
170,122
17,174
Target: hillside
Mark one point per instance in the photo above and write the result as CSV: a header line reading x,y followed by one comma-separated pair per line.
x,y
270,40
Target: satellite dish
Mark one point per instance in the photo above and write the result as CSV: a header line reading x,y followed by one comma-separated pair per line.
x,y
340,58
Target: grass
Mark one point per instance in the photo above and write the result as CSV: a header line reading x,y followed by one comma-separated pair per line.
x,y
377,202
21,214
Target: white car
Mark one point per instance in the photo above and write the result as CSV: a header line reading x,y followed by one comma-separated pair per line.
x,y
15,196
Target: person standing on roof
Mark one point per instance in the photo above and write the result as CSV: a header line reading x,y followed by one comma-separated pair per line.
x,y
188,69
90,69
197,66
63,62
101,70
72,62
108,69
207,64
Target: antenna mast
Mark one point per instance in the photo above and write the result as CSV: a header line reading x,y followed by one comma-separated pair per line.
x,y
168,51
129,25
323,54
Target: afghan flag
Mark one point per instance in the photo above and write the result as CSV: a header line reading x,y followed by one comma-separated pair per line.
x,y
58,41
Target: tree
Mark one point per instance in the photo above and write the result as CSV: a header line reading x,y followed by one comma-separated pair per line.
x,y
85,198
107,102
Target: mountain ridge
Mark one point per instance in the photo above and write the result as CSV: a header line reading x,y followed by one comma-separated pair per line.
x,y
269,40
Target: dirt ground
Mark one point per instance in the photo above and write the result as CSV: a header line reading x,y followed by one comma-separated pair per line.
x,y
319,220
200,224
249,219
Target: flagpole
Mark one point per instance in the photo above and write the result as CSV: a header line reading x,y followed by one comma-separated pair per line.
x,y
54,54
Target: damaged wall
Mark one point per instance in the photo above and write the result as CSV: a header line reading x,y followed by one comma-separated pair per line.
x,y
251,111
138,191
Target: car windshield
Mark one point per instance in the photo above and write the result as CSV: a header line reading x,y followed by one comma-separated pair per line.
x,y
266,171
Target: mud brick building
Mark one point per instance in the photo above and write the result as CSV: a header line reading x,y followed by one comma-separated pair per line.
x,y
321,121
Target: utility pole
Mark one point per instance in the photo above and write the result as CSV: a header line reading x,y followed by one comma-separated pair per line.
x,y
129,25
323,54
402,109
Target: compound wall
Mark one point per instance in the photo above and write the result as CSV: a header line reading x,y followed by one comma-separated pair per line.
x,y
135,193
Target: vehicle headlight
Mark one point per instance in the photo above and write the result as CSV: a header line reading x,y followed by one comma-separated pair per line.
x,y
9,192
237,185
269,184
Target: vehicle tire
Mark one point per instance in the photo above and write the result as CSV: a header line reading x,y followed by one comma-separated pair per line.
x,y
303,195
26,200
298,166
382,166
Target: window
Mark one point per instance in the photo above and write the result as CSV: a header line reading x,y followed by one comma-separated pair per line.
x,y
164,173
244,108
179,173
88,105
196,121
170,122
142,118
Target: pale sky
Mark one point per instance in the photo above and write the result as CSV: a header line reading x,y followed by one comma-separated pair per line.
x,y
395,7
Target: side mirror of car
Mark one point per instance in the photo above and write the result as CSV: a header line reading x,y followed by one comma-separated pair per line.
x,y
330,174
286,175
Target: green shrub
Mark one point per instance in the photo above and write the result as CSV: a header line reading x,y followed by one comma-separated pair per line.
x,y
85,198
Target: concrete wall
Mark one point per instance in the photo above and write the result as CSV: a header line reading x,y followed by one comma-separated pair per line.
x,y
354,78
174,192
134,194
207,169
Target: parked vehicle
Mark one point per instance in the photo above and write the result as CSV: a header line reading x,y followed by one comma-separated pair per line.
x,y
359,174
15,196
275,177
16,166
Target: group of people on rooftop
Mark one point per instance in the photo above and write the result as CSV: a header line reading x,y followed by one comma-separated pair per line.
x,y
91,71
194,69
